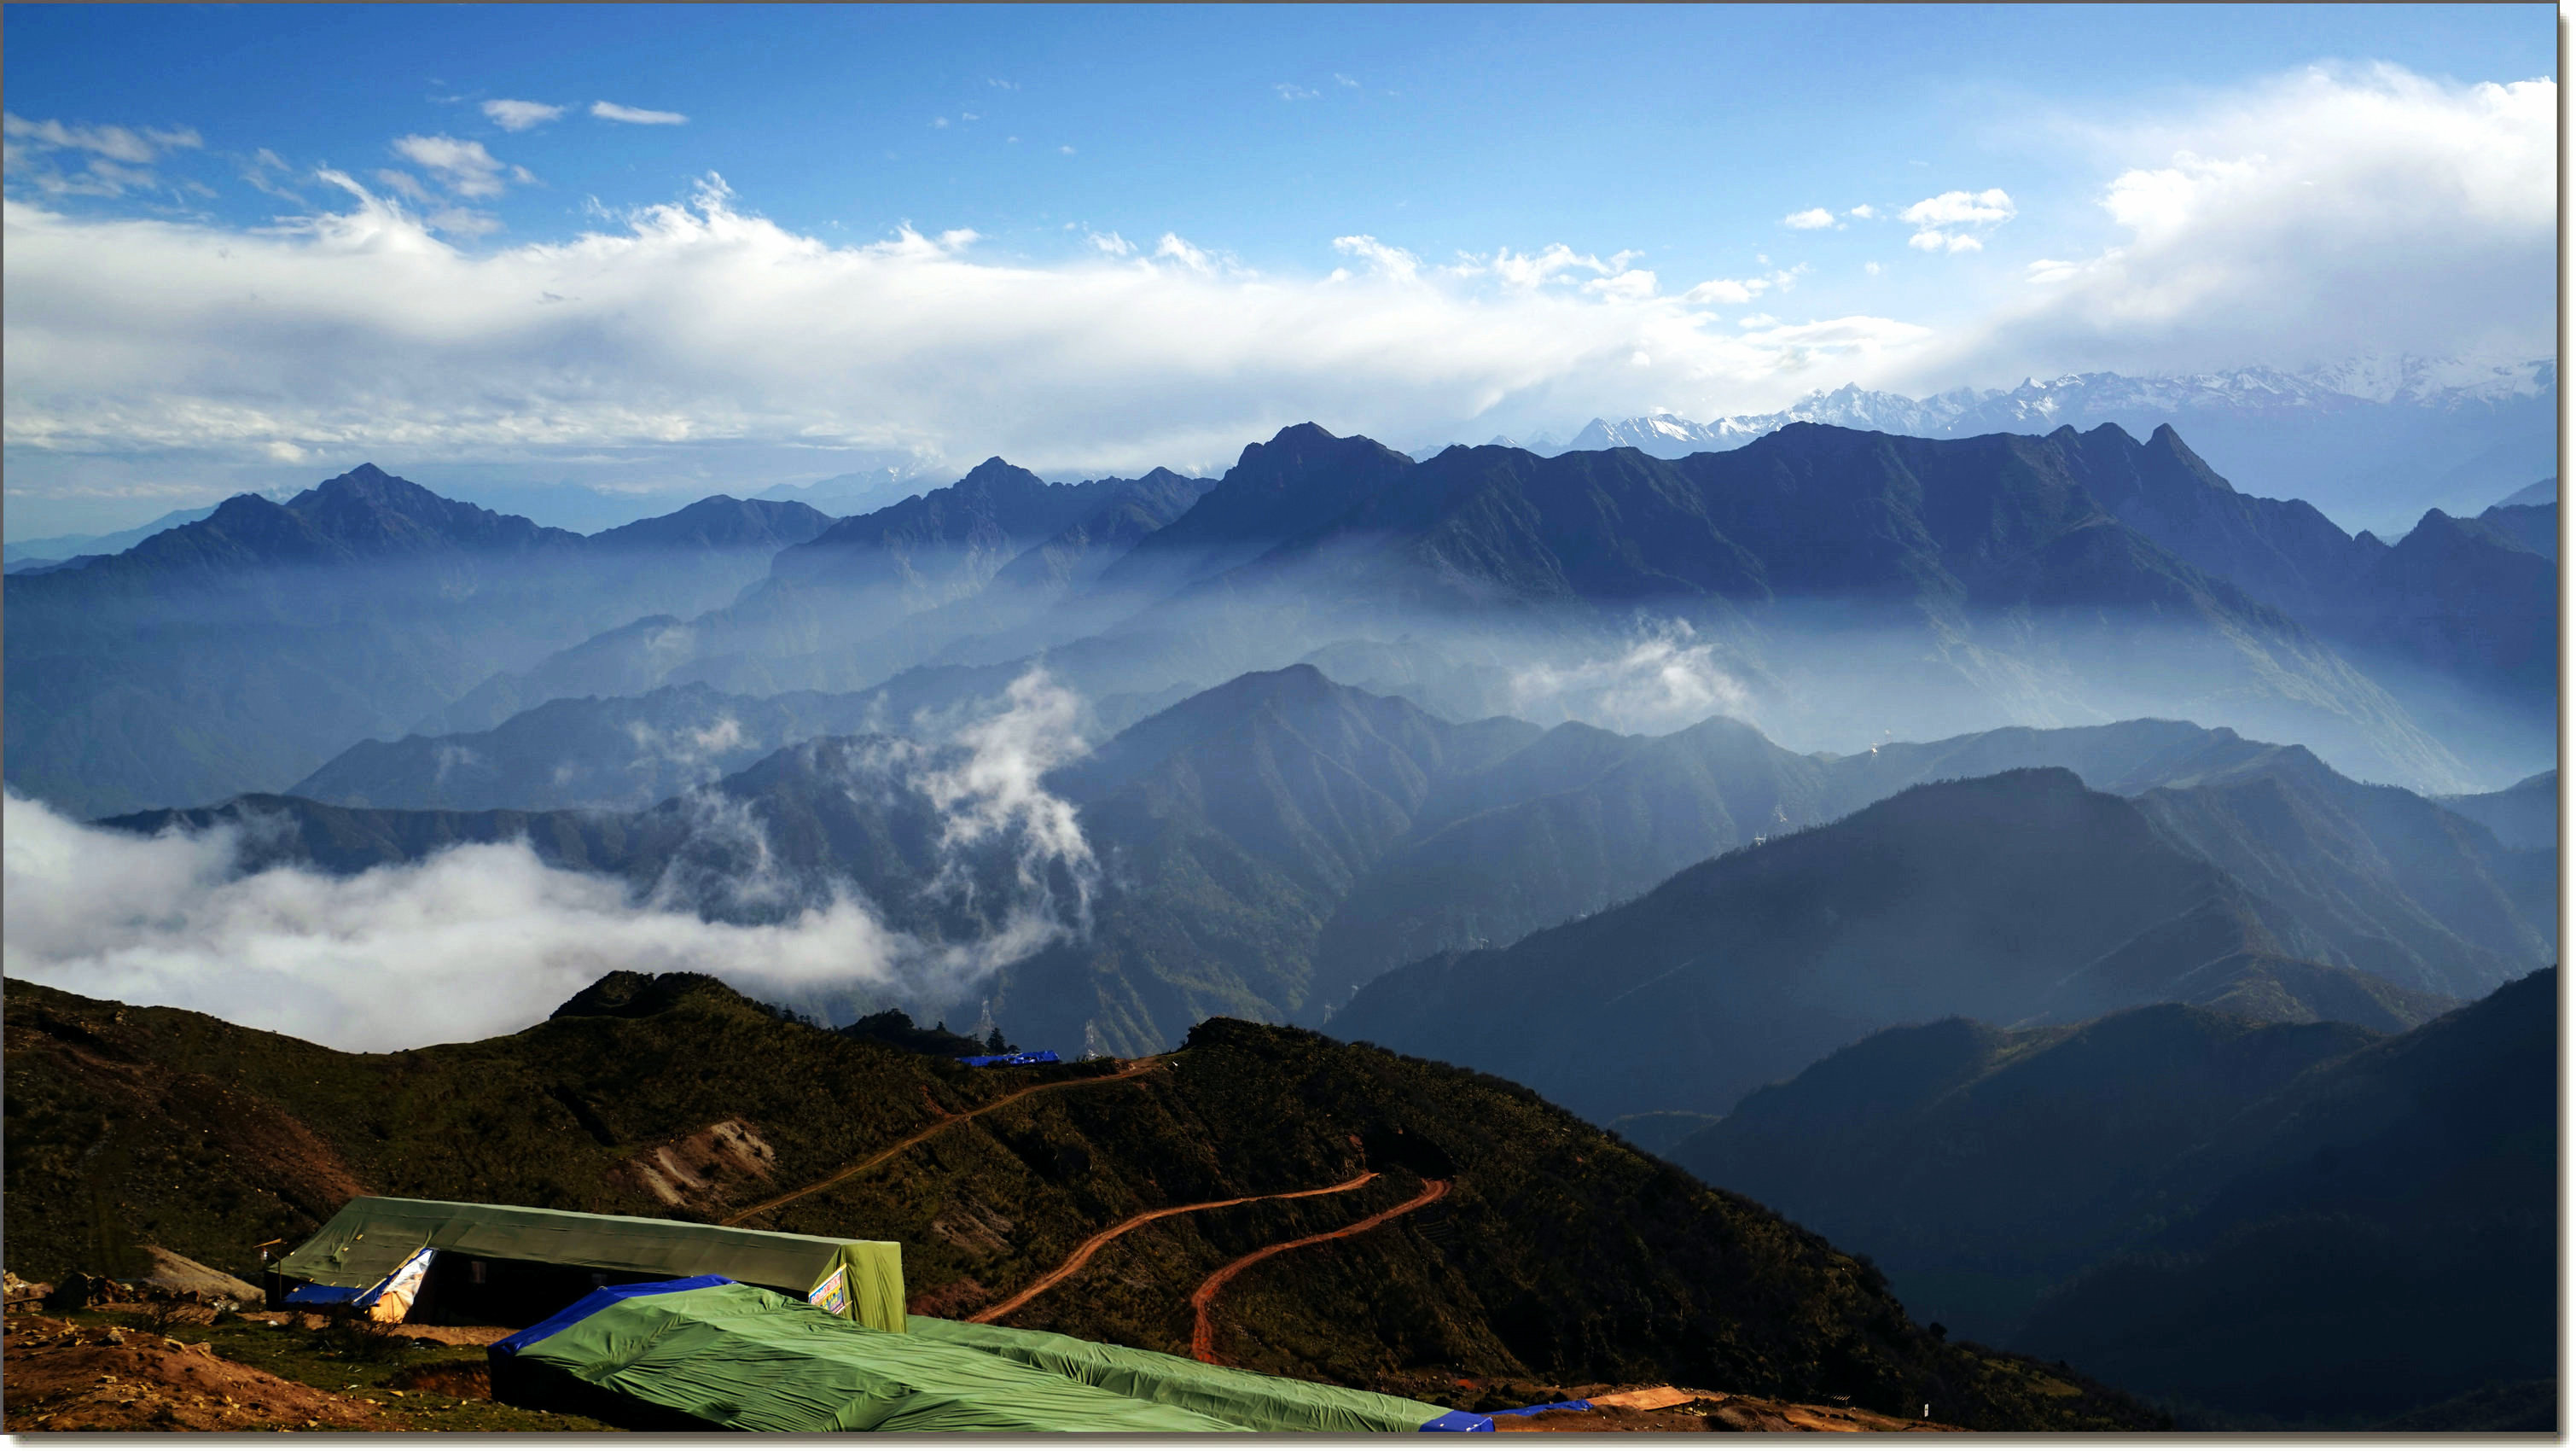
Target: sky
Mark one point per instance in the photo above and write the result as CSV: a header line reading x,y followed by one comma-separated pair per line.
x,y
666,250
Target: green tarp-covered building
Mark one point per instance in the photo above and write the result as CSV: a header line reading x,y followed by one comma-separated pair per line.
x,y
495,1259
703,1354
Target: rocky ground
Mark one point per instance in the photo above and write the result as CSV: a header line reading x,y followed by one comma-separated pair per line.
x,y
173,1366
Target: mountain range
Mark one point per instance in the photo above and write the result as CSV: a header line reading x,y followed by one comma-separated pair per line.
x,y
1268,847
2017,897
1791,582
2373,442
252,644
1983,573
2311,1223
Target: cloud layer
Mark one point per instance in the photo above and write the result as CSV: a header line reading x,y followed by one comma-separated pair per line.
x,y
359,331
2323,215
475,941
487,939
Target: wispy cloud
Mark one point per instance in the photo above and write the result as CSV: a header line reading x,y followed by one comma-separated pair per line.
x,y
464,168
520,115
1289,91
118,159
636,116
1809,220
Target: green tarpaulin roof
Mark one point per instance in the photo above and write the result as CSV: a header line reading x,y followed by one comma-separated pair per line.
x,y
747,1359
370,1236
1244,1398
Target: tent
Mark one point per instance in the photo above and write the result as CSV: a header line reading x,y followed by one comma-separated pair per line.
x,y
505,1264
1246,1398
702,1353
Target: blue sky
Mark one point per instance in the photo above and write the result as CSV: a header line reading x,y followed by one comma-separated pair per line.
x,y
1535,214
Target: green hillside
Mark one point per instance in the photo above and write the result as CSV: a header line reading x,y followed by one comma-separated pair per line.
x,y
1563,1256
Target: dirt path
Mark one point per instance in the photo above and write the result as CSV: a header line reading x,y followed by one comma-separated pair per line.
x,y
1089,1247
1141,1065
1203,1299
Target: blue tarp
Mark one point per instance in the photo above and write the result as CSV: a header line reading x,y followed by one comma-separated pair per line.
x,y
594,1302
1012,1060
1550,1406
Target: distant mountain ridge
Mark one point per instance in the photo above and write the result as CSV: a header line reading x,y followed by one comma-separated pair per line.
x,y
63,547
2363,439
1980,581
1267,846
2015,897
246,647
2312,1223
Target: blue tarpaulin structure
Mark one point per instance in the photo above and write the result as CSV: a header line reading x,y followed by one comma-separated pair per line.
x,y
1011,1060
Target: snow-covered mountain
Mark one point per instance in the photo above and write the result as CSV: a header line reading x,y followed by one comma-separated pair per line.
x,y
2373,442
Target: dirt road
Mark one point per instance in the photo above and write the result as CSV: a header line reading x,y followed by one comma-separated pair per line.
x,y
1141,1065
1203,1299
1082,1254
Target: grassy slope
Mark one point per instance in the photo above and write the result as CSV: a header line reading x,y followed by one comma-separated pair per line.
x,y
1565,1256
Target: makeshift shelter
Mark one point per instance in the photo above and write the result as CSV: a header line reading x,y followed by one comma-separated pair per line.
x,y
1244,1398
500,1264
701,1354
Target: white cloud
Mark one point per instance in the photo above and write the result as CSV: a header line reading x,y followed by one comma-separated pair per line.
x,y
360,331
633,116
1177,250
487,939
1730,291
1342,80
1113,244
1809,220
1064,150
1288,92
520,115
1531,271
475,941
1869,267
1635,284
462,167
939,123
1394,262
1958,208
1988,208
2317,216
1663,679
1864,211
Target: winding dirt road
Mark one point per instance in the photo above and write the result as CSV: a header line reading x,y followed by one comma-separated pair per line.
x,y
1203,1299
1082,1254
1141,1065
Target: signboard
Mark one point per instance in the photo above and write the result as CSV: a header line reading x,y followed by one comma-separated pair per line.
x,y
834,1293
